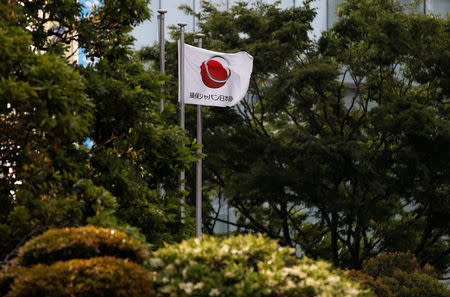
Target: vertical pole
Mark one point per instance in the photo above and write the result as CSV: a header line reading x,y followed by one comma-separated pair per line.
x,y
228,5
162,69
181,62
228,218
198,186
193,17
159,4
162,52
294,3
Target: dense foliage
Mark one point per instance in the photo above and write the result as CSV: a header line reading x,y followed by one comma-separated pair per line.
x,y
84,261
399,274
50,108
341,148
96,277
80,243
244,265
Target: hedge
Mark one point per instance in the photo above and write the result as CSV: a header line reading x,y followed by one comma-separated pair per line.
x,y
400,275
80,243
95,277
244,265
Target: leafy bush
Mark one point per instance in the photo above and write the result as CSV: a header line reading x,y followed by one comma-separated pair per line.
x,y
400,275
7,276
45,273
386,263
95,277
80,243
244,265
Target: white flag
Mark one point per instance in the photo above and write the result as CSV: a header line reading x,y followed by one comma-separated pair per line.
x,y
215,79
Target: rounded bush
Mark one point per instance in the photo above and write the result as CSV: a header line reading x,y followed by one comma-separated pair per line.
x,y
80,243
95,277
400,275
244,265
386,263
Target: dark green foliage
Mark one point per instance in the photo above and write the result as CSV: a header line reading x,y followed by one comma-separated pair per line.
x,y
80,243
136,148
342,147
50,107
44,115
96,277
399,274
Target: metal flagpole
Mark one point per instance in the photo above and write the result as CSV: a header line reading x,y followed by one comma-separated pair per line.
x,y
181,63
193,21
162,51
198,192
162,69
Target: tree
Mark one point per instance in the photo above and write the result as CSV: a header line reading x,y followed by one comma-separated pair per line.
x,y
341,148
49,108
44,113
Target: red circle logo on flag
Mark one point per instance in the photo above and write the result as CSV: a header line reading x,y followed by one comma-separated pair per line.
x,y
215,72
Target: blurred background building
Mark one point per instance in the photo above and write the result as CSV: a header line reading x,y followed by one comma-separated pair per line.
x,y
147,33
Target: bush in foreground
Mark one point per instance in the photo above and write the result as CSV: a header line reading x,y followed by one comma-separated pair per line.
x,y
80,243
244,265
96,277
400,275
78,262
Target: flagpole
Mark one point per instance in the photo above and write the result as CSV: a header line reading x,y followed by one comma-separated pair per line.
x,y
182,125
162,52
162,69
193,21
198,192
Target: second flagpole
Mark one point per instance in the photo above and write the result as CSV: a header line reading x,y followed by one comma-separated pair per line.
x,y
198,192
182,125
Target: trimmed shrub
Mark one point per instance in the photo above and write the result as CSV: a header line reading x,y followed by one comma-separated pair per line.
x,y
80,243
400,275
386,263
7,276
244,265
96,277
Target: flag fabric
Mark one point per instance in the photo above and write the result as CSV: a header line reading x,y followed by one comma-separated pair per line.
x,y
214,78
